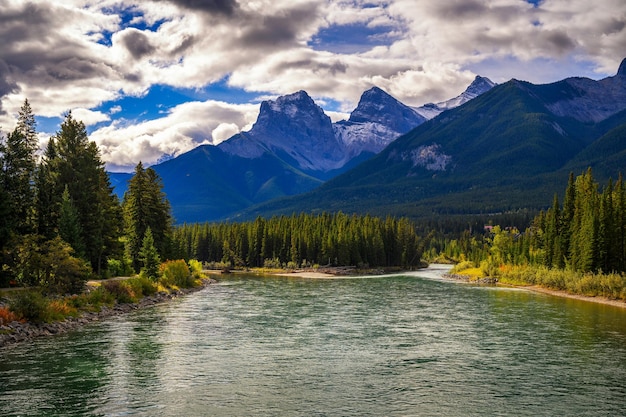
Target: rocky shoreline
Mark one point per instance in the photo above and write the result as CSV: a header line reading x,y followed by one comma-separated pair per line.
x,y
466,278
17,332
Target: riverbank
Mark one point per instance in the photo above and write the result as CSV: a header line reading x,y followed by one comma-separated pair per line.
x,y
326,272
538,289
18,331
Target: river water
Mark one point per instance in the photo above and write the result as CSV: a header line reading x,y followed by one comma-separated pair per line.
x,y
402,345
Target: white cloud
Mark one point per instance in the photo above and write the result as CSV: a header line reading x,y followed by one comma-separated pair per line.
x,y
89,117
183,128
77,54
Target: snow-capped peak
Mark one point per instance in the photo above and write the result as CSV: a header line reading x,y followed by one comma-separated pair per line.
x,y
479,86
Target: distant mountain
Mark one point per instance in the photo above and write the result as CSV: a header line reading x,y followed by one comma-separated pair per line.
x,y
479,86
509,148
375,123
292,148
294,128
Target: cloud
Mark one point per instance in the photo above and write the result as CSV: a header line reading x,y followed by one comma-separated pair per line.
x,y
183,128
137,43
89,117
225,7
79,54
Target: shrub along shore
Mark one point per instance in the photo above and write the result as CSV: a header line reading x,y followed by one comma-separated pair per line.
x,y
26,314
595,287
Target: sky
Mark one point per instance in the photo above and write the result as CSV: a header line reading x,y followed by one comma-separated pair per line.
x,y
152,79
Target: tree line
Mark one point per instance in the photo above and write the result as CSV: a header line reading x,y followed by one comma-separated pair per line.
x,y
586,232
304,240
60,221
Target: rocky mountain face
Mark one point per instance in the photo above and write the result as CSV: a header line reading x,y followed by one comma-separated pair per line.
x,y
375,123
511,148
479,86
584,99
295,128
292,148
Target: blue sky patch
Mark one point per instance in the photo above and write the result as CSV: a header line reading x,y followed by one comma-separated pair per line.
x,y
350,39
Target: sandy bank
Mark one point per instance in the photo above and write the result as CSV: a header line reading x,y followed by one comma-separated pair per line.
x,y
556,293
306,274
537,288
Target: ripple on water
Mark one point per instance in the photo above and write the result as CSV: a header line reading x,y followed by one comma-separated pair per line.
x,y
396,345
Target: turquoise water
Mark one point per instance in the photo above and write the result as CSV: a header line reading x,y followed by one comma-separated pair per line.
x,y
385,346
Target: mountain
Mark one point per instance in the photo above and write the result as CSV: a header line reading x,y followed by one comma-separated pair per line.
x,y
207,183
509,148
292,148
295,129
479,86
375,123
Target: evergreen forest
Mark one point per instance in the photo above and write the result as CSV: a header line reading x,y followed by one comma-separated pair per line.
x,y
60,222
578,245
305,240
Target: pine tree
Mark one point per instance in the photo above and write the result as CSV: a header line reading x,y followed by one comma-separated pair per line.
x,y
584,227
47,198
69,225
74,162
18,163
149,257
146,206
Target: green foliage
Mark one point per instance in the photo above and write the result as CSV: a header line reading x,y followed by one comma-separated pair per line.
x,y
122,291
48,264
149,257
70,229
146,207
195,266
142,286
119,267
176,273
17,172
580,248
72,161
30,305
325,239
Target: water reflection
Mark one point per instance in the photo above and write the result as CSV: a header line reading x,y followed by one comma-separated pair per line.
x,y
379,346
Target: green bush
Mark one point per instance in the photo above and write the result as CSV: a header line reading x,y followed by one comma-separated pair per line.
x,y
142,286
119,267
30,305
195,266
121,290
176,273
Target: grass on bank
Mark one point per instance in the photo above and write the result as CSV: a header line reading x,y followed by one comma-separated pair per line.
x,y
611,286
33,306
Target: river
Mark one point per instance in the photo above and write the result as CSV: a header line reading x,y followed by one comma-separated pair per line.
x,y
401,345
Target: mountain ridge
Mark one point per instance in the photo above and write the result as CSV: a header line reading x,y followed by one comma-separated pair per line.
x,y
507,149
292,148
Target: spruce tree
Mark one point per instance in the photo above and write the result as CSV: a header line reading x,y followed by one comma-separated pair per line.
x,y
149,257
74,162
18,164
146,206
69,224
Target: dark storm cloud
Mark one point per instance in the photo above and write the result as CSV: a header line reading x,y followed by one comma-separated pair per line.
x,y
280,29
7,86
36,51
461,9
613,26
223,7
137,43
334,67
560,40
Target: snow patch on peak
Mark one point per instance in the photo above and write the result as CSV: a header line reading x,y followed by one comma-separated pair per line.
x,y
291,104
479,86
